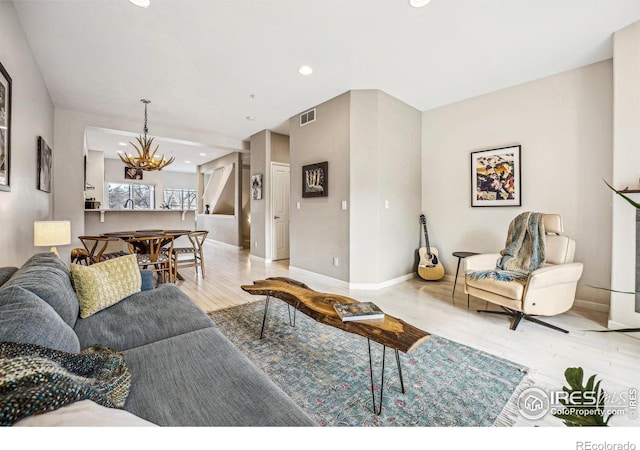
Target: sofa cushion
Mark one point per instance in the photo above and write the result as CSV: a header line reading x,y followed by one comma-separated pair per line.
x,y
47,276
144,317
510,289
6,273
104,284
84,413
25,317
202,379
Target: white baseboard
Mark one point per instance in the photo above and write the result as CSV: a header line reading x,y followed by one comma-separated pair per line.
x,y
261,259
318,277
210,240
592,306
383,284
348,285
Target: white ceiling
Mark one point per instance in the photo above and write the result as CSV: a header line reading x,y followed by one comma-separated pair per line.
x,y
200,62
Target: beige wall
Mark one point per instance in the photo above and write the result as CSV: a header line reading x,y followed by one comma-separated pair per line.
x,y
266,147
319,230
32,116
385,182
260,144
564,125
626,170
372,144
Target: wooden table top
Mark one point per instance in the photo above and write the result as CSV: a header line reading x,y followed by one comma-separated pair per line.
x,y
390,331
143,233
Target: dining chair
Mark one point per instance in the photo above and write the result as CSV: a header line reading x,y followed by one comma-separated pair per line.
x,y
95,249
153,253
190,256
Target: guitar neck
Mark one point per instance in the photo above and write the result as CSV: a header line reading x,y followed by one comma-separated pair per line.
x,y
426,236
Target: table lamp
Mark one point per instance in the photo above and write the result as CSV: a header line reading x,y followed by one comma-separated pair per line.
x,y
52,233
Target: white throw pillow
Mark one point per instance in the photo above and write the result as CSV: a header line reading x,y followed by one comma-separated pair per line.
x,y
84,413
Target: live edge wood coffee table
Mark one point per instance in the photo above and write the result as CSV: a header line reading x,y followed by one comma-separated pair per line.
x,y
390,331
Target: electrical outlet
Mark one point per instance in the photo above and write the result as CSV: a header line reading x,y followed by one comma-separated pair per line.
x,y
255,244
335,261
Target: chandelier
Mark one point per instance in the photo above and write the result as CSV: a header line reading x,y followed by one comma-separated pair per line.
x,y
146,160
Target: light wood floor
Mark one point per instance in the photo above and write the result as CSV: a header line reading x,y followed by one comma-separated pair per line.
x,y
614,357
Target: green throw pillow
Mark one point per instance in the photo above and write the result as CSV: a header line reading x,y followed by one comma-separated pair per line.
x,y
104,284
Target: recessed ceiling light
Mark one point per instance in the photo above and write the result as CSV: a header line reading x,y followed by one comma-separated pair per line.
x,y
419,3
187,162
122,143
203,154
305,70
120,151
252,118
141,3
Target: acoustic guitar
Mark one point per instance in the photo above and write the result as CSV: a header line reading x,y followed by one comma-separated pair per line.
x,y
429,267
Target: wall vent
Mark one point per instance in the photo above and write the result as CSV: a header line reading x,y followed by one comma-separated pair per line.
x,y
308,117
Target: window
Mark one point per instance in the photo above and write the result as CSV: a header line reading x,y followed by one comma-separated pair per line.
x,y
180,198
122,195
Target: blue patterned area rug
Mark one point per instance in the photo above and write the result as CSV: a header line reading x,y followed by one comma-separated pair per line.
x,y
326,372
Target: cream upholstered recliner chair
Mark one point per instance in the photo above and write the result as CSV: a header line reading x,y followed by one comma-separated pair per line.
x,y
548,291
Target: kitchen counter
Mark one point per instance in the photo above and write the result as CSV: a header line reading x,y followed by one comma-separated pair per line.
x,y
98,221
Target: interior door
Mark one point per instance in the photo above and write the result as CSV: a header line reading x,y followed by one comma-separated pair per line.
x,y
280,183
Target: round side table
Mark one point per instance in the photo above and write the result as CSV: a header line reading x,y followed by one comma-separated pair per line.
x,y
460,256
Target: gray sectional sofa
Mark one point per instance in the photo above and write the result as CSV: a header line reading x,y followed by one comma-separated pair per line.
x,y
184,371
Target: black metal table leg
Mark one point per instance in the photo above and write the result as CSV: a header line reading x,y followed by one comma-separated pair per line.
x,y
455,280
377,410
264,317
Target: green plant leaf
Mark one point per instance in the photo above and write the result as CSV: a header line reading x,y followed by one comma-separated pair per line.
x,y
583,414
636,205
574,376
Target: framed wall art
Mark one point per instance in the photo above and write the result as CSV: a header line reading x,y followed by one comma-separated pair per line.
x,y
131,173
5,129
44,165
256,187
315,180
495,177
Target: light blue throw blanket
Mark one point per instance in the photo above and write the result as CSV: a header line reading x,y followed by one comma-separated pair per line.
x,y
524,250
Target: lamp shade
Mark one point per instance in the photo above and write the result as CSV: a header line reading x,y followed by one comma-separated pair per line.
x,y
51,233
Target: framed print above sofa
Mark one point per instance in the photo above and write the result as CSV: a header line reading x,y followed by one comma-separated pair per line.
x,y
5,129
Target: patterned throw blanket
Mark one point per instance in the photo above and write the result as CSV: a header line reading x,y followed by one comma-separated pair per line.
x,y
36,379
524,250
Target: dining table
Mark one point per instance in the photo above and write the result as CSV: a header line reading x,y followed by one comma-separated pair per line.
x,y
128,234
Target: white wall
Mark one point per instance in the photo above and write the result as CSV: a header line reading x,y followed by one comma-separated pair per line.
x,y
95,177
226,228
626,170
564,125
32,116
